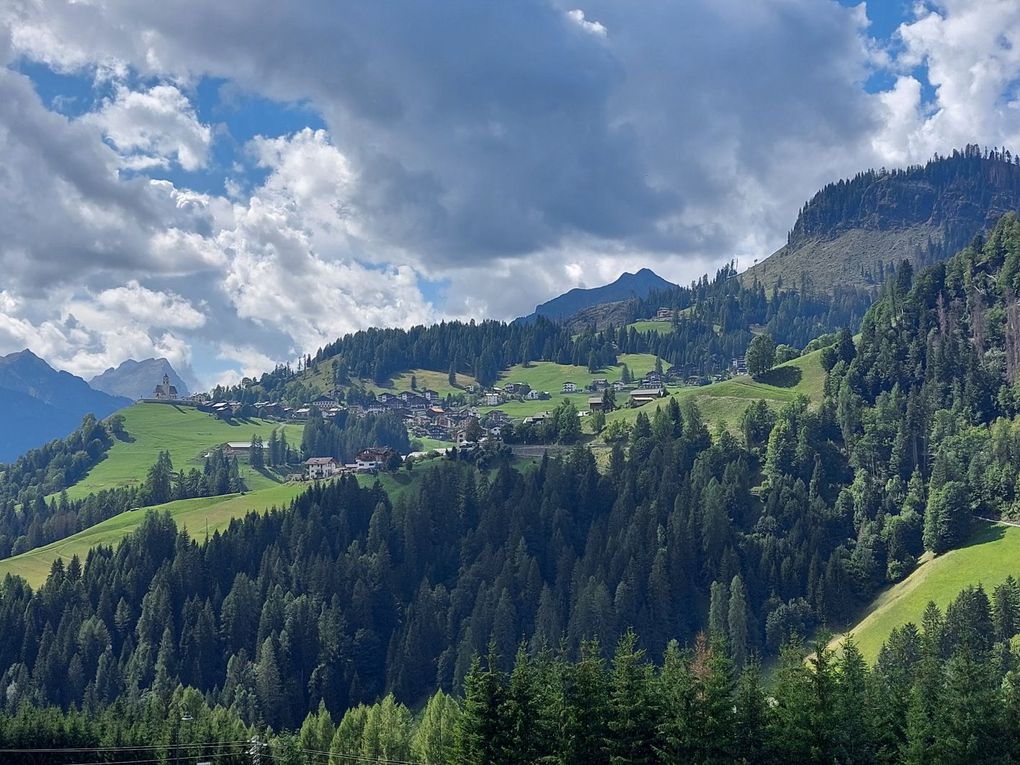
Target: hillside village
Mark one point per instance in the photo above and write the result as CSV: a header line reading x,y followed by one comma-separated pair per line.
x,y
468,415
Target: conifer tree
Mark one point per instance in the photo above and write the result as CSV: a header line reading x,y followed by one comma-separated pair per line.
x,y
737,623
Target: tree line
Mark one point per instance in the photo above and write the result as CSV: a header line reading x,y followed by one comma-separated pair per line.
x,y
712,321
946,690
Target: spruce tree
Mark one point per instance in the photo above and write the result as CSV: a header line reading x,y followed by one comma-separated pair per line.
x,y
737,618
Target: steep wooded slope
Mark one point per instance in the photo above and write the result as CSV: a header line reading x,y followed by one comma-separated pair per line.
x,y
854,231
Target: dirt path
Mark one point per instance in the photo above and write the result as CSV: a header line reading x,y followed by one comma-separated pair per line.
x,y
993,520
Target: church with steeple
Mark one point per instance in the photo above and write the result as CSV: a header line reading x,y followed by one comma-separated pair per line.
x,y
165,391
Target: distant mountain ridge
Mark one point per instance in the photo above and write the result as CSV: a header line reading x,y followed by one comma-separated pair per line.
x,y
38,403
627,287
853,231
136,379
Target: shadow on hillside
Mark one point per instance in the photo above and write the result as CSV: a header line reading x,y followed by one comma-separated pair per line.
x,y
782,377
983,532
237,422
272,475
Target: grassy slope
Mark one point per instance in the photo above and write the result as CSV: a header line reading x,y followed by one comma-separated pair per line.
x,y
196,515
725,402
652,325
321,380
186,432
550,376
992,554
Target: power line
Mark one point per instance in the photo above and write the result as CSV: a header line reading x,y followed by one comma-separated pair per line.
x,y
138,748
148,761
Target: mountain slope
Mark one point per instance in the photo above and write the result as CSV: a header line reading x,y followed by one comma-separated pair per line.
x,y
136,379
38,403
852,232
991,554
627,287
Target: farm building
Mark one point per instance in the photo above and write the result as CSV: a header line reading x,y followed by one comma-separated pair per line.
x,y
642,396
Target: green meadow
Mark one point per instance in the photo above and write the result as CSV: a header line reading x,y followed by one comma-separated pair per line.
x,y
549,376
197,515
992,554
183,431
723,403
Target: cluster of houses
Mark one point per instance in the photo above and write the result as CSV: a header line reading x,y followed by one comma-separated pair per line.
x,y
426,416
370,460
651,387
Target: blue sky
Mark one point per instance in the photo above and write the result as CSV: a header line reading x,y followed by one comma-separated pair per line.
x,y
236,186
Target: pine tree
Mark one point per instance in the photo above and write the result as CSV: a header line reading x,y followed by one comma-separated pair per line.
x,y
633,707
751,718
481,731
718,617
855,736
435,735
737,623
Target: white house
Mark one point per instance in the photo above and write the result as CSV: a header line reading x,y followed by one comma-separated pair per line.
x,y
373,458
320,467
493,399
569,387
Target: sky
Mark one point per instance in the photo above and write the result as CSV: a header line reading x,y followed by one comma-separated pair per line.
x,y
233,184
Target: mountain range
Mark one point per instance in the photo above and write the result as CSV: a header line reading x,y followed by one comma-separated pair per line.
x,y
136,379
38,403
627,287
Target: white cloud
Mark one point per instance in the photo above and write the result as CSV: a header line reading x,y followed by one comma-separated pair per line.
x,y
592,27
153,128
149,307
293,248
969,52
513,153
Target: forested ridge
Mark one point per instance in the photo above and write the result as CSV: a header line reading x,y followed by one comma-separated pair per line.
x,y
712,323
856,230
967,190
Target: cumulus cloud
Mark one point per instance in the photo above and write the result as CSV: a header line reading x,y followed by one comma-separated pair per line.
x,y
509,152
969,53
592,27
153,128
293,246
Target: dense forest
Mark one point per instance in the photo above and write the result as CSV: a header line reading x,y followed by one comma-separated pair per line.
x,y
944,691
348,595
344,436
